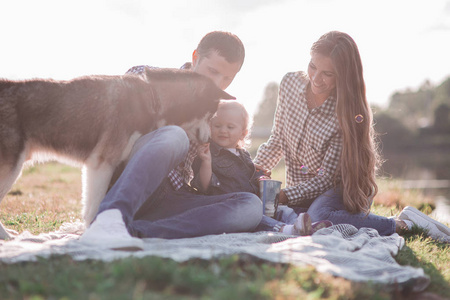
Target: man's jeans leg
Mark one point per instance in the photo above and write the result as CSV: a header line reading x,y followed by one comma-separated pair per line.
x,y
185,214
155,155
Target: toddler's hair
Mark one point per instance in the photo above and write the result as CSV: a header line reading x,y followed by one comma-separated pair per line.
x,y
246,120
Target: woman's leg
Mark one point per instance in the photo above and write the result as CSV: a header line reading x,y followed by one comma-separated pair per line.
x,y
183,214
329,206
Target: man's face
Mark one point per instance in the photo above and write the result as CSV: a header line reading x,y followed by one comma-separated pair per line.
x,y
215,67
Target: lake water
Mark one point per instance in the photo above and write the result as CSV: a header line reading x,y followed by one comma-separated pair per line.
x,y
429,172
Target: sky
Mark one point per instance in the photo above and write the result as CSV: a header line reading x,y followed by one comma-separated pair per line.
x,y
402,42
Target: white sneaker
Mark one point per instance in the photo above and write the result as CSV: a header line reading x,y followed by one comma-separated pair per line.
x,y
302,225
436,230
109,231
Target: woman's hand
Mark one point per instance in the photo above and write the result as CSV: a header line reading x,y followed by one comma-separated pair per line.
x,y
265,171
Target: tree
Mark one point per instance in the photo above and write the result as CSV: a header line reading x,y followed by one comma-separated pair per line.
x,y
442,94
441,121
393,135
412,107
263,119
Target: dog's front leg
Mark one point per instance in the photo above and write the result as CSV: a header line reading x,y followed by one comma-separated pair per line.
x,y
95,185
9,173
7,234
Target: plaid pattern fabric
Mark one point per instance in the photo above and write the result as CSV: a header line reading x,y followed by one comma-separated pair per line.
x,y
139,70
183,172
309,140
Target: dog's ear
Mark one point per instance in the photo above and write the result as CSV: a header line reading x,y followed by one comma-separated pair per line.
x,y
223,95
226,96
217,93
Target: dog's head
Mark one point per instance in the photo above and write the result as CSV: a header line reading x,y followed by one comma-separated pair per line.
x,y
187,99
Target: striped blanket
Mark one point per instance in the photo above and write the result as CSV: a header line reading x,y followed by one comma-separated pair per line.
x,y
341,250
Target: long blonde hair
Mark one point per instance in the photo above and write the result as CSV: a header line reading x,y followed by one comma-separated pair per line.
x,y
359,159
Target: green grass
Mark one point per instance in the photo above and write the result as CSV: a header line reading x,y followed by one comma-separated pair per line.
x,y
156,278
48,195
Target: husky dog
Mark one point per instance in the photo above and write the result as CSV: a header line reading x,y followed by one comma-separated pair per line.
x,y
93,122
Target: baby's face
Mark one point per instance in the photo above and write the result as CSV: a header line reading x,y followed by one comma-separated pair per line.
x,y
227,128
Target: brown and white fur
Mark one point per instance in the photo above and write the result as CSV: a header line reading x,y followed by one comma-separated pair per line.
x,y
93,122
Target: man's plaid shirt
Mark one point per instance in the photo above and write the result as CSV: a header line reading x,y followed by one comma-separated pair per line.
x,y
309,140
183,172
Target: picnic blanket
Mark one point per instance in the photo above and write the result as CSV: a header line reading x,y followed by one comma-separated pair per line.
x,y
341,250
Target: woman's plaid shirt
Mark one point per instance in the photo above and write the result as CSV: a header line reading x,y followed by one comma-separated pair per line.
x,y
309,140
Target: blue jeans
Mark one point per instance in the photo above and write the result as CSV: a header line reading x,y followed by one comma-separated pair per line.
x,y
284,215
330,206
152,208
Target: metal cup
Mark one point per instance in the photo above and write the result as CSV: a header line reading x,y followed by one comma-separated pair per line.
x,y
269,191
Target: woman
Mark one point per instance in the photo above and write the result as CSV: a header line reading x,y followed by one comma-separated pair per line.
x,y
323,128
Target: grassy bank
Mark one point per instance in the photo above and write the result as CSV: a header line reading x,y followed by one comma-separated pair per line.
x,y
48,195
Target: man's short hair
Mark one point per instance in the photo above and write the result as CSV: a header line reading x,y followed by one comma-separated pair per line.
x,y
227,45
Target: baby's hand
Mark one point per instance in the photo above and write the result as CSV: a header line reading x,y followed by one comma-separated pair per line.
x,y
203,152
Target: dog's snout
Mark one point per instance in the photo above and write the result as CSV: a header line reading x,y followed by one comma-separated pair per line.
x,y
203,134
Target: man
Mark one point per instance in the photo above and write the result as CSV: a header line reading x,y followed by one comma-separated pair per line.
x,y
152,198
